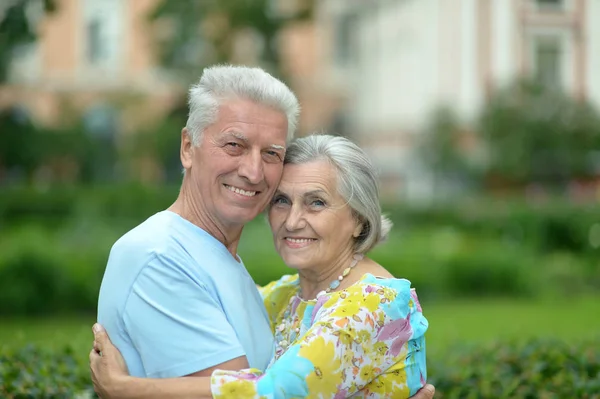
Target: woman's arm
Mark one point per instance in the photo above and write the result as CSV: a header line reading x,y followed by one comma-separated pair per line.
x,y
357,336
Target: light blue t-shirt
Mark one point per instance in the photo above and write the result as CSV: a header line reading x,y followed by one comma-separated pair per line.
x,y
175,301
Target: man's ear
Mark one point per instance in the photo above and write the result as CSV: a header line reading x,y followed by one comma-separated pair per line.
x,y
186,152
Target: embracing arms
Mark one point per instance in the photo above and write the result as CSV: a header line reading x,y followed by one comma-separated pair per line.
x,y
312,364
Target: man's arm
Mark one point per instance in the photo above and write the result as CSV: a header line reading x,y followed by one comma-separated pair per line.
x,y
176,325
238,363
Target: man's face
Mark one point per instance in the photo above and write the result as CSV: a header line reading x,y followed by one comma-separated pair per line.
x,y
238,164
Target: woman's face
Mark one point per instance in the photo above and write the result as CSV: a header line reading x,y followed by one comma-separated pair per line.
x,y
312,225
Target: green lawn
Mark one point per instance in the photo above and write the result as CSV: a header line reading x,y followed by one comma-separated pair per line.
x,y
469,322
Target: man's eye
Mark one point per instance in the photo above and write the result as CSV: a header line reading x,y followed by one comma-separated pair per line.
x,y
273,155
232,144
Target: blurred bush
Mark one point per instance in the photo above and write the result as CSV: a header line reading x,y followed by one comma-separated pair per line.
x,y
505,369
525,136
534,369
54,245
32,372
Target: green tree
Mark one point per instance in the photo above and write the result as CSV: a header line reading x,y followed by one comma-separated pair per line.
x,y
16,29
197,33
535,134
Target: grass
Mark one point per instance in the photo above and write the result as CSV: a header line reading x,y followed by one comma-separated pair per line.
x,y
451,323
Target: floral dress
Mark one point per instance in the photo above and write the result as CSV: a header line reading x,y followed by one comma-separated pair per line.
x,y
366,341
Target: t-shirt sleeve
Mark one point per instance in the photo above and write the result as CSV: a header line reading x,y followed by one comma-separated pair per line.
x,y
366,334
176,325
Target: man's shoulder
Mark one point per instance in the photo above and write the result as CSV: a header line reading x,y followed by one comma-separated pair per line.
x,y
154,235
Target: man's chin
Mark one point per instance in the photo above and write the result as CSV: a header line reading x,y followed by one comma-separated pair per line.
x,y
243,216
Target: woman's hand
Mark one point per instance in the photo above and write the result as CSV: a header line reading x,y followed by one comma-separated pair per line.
x,y
426,392
108,368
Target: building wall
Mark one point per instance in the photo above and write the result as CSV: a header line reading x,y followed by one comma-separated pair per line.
x,y
592,49
408,57
58,74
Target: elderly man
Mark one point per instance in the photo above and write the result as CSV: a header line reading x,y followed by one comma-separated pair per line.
x,y
175,298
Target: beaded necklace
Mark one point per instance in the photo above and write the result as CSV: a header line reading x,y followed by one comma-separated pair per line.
x,y
282,343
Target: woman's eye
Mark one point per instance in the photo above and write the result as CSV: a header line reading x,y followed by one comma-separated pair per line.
x,y
318,203
279,200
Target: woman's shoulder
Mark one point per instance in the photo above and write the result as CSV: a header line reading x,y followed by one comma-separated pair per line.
x,y
393,296
384,286
286,284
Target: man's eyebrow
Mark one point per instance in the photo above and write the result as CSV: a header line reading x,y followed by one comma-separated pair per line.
x,y
238,135
278,147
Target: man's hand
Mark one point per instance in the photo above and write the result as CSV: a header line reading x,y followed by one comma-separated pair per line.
x,y
426,392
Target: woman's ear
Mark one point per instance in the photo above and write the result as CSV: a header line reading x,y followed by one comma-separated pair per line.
x,y
357,230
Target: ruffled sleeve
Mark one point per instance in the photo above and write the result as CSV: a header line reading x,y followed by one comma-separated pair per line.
x,y
368,337
276,295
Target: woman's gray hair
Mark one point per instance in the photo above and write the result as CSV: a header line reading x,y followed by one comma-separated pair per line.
x,y
224,82
357,182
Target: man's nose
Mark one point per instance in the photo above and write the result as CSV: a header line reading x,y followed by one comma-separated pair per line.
x,y
251,167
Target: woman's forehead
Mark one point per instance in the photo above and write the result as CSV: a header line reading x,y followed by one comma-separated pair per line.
x,y
311,176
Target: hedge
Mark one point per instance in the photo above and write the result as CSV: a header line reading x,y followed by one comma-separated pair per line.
x,y
47,271
545,225
533,369
54,245
505,369
33,372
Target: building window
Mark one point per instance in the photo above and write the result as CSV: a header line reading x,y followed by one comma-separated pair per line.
x,y
103,30
95,44
548,59
550,4
345,47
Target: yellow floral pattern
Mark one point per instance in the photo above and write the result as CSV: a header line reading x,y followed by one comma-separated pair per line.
x,y
365,341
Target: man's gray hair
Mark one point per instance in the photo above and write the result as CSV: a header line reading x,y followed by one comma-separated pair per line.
x,y
226,82
356,178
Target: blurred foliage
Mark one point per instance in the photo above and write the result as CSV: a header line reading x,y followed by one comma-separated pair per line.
x,y
532,134
535,369
16,28
525,135
33,372
161,144
56,241
196,33
53,155
538,368
443,146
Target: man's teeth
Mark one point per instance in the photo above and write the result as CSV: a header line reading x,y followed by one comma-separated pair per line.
x,y
299,240
240,191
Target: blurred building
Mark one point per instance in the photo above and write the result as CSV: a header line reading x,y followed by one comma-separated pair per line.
x,y
93,58
373,70
390,63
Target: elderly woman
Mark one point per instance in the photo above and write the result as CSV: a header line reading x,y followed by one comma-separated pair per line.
x,y
344,325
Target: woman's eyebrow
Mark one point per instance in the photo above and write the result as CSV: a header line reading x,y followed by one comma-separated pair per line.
x,y
318,192
279,192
